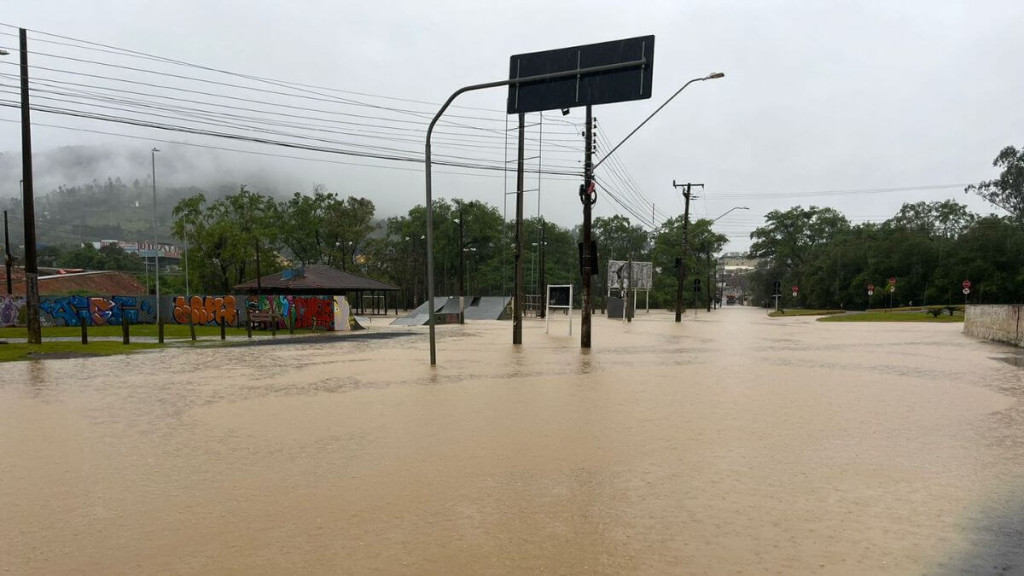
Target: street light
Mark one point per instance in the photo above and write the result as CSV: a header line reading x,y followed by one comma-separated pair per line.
x,y
156,241
712,76
729,210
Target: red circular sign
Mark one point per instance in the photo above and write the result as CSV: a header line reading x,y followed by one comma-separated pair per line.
x,y
892,281
967,284
871,286
796,288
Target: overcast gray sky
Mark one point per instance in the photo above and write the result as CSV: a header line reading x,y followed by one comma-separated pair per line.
x,y
818,96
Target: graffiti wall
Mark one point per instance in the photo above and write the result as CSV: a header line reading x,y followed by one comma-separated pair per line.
x,y
95,310
212,310
308,311
206,310
9,307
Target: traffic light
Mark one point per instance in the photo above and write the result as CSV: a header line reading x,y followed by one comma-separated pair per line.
x,y
776,288
696,285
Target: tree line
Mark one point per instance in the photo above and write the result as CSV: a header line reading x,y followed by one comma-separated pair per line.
x,y
928,248
227,236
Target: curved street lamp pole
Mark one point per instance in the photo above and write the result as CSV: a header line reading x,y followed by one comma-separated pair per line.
x,y
712,76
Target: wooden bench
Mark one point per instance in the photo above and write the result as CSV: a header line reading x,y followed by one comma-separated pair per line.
x,y
263,320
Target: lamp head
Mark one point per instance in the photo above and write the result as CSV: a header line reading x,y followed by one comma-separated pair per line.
x,y
715,75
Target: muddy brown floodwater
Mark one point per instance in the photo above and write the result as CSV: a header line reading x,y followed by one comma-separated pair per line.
x,y
730,444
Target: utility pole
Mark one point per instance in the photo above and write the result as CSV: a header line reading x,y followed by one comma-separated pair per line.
x,y
156,240
520,291
630,294
35,334
462,274
8,259
588,196
681,269
541,276
711,289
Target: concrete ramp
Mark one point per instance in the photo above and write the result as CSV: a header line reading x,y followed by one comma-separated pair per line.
x,y
489,308
446,310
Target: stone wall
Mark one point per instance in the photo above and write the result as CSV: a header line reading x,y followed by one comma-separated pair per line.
x,y
999,322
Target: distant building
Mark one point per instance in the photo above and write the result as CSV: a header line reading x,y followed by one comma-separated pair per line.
x,y
733,270
736,262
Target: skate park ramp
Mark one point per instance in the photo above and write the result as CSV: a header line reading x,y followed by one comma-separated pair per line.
x,y
446,309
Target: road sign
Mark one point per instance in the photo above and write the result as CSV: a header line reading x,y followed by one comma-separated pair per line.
x,y
967,291
696,284
621,85
967,284
871,287
892,281
796,288
892,288
871,292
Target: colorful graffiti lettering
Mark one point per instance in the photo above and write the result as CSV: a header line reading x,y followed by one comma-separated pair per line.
x,y
308,311
206,310
96,311
314,312
9,310
65,310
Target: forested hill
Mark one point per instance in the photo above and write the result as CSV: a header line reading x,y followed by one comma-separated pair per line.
x,y
88,193
109,209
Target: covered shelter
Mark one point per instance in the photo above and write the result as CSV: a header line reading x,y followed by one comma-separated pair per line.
x,y
319,280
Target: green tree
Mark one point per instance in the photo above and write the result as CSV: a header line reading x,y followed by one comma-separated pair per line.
x,y
348,224
224,238
1006,191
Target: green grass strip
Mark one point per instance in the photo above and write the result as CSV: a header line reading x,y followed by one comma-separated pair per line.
x,y
894,317
802,312
14,351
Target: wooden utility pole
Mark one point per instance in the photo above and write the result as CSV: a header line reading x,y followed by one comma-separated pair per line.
x,y
35,334
542,284
519,296
8,259
588,196
681,269
462,273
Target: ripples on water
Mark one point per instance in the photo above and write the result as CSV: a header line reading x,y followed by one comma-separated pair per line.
x,y
729,444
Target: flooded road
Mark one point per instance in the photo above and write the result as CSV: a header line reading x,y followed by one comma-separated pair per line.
x,y
730,444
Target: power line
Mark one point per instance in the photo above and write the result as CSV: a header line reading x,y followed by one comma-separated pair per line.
x,y
850,191
267,154
259,140
225,124
491,133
